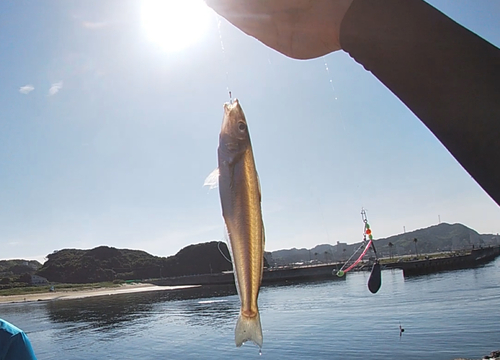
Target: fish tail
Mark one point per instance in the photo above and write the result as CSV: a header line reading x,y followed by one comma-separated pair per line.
x,y
248,328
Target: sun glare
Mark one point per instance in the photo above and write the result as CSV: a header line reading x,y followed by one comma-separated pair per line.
x,y
174,24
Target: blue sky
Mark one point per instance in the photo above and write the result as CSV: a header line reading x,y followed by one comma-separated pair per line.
x,y
106,137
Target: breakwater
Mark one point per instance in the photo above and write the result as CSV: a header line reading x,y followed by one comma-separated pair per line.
x,y
270,276
475,258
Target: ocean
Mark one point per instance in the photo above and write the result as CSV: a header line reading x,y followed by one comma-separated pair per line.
x,y
444,315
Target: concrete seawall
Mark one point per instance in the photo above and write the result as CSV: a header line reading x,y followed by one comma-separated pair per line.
x,y
476,257
271,276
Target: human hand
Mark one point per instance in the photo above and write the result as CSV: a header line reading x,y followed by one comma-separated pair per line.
x,y
301,29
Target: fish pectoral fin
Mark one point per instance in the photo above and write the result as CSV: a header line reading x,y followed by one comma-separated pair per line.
x,y
212,180
248,328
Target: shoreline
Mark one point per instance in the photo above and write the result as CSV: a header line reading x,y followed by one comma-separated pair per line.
x,y
80,294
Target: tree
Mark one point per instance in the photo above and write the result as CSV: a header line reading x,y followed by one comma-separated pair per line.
x,y
390,249
416,249
25,278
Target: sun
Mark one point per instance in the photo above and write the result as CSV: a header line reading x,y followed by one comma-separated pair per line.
x,y
174,24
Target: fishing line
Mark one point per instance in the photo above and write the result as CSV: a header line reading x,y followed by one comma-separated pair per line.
x,y
375,279
341,272
365,245
215,173
224,57
330,79
221,252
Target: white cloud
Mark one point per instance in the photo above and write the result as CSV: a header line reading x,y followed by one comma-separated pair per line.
x,y
26,89
54,89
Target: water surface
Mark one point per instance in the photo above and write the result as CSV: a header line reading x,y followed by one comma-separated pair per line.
x,y
445,315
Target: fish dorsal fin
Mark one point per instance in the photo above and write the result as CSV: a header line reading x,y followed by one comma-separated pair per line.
x,y
258,184
263,251
263,236
260,200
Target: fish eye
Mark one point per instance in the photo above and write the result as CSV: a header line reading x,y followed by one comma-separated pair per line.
x,y
242,126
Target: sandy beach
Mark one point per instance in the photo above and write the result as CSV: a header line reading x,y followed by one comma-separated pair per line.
x,y
78,294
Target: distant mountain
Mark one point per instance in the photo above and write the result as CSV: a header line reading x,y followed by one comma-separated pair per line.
x,y
436,238
319,252
107,263
11,268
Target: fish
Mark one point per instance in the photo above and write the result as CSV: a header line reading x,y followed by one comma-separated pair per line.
x,y
240,196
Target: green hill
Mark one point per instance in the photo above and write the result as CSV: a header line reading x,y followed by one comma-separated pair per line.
x,y
107,263
11,268
442,237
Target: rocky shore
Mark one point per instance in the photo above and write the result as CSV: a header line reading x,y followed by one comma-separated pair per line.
x,y
494,355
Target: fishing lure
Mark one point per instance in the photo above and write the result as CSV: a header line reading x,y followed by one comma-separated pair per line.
x,y
375,280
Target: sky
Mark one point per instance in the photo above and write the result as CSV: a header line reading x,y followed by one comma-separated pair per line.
x,y
108,131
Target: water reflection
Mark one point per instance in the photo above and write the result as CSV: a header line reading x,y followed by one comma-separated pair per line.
x,y
211,313
301,283
112,312
106,313
193,306
325,320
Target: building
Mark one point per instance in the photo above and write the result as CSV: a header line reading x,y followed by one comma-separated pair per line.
x,y
341,250
38,280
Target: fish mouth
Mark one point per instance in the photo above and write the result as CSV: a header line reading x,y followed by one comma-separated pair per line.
x,y
231,105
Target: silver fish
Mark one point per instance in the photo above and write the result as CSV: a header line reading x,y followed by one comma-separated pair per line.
x,y
240,197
